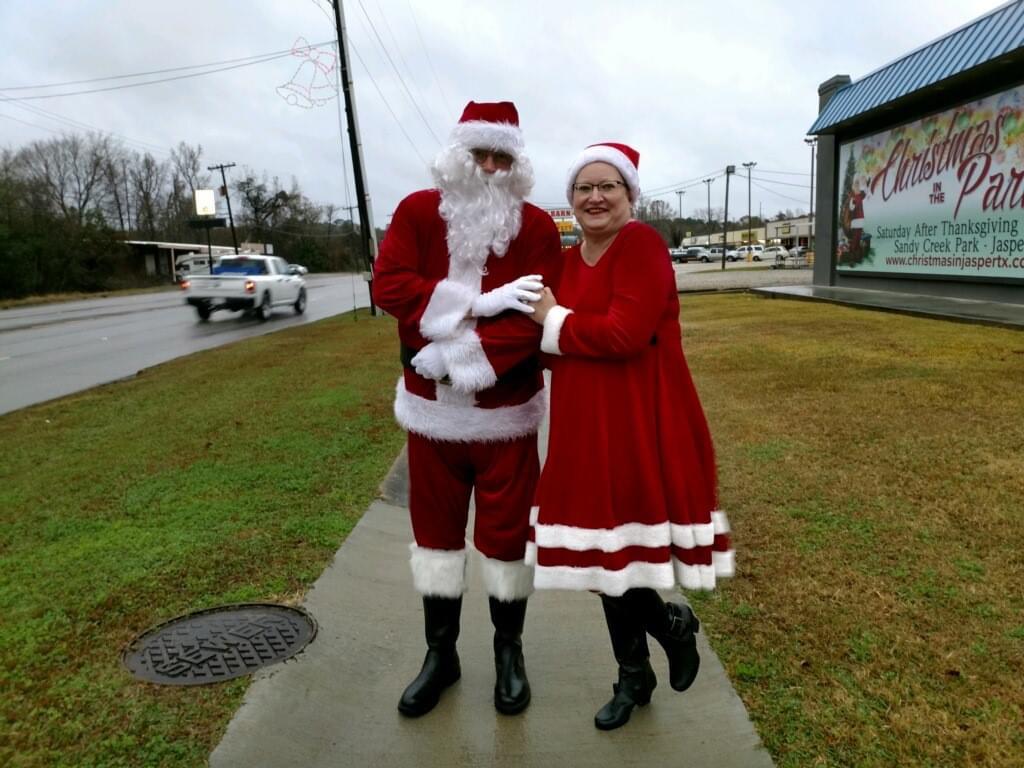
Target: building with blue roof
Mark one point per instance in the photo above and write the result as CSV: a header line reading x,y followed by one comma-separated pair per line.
x,y
921,168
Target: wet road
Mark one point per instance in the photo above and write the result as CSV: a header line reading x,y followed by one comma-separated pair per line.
x,y
54,350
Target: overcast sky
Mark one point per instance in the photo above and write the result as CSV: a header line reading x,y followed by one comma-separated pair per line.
x,y
694,85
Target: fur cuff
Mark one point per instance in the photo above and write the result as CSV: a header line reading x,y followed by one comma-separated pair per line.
x,y
438,572
553,329
448,307
507,580
467,363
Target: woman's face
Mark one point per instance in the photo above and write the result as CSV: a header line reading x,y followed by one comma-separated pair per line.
x,y
601,212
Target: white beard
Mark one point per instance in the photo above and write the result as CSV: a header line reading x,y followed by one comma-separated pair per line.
x,y
484,212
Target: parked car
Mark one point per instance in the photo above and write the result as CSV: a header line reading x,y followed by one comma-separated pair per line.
x,y
798,250
776,253
696,253
755,252
677,255
716,254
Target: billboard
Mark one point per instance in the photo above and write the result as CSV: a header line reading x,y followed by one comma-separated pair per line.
x,y
940,196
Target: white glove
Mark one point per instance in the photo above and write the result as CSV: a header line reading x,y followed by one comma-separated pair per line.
x,y
512,295
429,362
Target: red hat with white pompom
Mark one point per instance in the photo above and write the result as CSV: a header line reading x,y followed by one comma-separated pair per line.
x,y
622,157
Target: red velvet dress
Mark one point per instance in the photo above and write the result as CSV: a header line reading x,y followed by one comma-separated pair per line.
x,y
627,497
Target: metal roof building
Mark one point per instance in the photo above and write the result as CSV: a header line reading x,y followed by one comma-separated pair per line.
x,y
995,40
921,168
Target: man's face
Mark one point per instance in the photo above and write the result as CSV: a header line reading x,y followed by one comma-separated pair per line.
x,y
490,160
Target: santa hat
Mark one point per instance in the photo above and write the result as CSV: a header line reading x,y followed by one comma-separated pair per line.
x,y
489,125
623,158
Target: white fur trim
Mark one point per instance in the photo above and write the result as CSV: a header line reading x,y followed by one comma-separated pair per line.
x,y
553,329
480,134
467,363
695,577
438,572
531,554
720,521
467,423
636,574
622,536
724,563
447,309
614,158
507,580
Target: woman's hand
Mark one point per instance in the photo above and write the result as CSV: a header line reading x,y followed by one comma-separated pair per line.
x,y
543,305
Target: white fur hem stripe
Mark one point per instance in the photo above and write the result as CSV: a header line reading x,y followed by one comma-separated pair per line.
x,y
467,424
637,574
448,307
553,329
507,580
438,572
622,536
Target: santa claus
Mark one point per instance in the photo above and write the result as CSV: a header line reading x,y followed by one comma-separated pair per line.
x,y
458,268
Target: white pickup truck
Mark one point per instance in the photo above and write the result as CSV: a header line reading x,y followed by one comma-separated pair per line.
x,y
248,282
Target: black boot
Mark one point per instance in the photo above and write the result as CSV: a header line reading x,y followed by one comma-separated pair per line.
x,y
511,688
674,626
441,665
636,678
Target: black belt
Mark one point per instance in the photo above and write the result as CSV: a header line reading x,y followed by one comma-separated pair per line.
x,y
407,353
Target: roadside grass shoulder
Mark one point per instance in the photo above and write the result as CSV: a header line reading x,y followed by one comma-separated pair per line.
x,y
228,476
873,469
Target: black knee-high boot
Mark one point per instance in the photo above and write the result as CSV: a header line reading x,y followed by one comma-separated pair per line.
x,y
636,678
511,688
441,665
674,626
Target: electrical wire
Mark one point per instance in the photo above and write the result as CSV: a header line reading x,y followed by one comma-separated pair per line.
x,y
777,194
426,52
254,59
399,74
783,183
263,60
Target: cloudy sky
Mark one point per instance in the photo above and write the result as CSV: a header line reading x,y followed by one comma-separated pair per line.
x,y
694,85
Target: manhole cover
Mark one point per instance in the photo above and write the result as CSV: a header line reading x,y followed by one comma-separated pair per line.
x,y
218,644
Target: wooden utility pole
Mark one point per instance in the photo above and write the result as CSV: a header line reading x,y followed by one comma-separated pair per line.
x,y
365,221
231,219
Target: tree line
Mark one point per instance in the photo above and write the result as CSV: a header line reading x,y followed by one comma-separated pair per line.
x,y
69,203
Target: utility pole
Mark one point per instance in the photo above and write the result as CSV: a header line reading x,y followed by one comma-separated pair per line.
x,y
708,182
812,143
231,219
365,223
680,193
127,204
729,170
750,228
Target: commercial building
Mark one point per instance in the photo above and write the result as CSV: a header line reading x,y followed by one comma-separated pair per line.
x,y
921,168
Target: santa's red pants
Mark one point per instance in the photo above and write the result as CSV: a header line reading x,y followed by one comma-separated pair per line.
x,y
442,475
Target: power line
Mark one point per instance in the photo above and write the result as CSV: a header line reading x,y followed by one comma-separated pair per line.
x,y
71,122
399,74
430,61
147,82
785,173
253,59
783,183
381,94
777,194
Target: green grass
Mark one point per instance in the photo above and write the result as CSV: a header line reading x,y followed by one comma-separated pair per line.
x,y
873,469
872,466
232,475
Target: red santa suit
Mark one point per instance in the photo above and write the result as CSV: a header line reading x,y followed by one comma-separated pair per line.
x,y
474,428
627,497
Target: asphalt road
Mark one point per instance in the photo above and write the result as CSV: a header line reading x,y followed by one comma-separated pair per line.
x,y
57,349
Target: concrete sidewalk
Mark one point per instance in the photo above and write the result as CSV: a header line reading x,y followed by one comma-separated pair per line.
x,y
334,704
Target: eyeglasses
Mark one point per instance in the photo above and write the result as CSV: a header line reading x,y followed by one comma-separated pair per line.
x,y
605,188
500,159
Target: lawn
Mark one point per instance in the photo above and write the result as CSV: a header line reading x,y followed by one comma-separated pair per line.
x,y
872,466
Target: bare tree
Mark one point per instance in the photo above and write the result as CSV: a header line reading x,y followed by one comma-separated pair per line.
x,y
149,179
70,172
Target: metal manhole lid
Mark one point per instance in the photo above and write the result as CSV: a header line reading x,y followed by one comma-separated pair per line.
x,y
218,643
